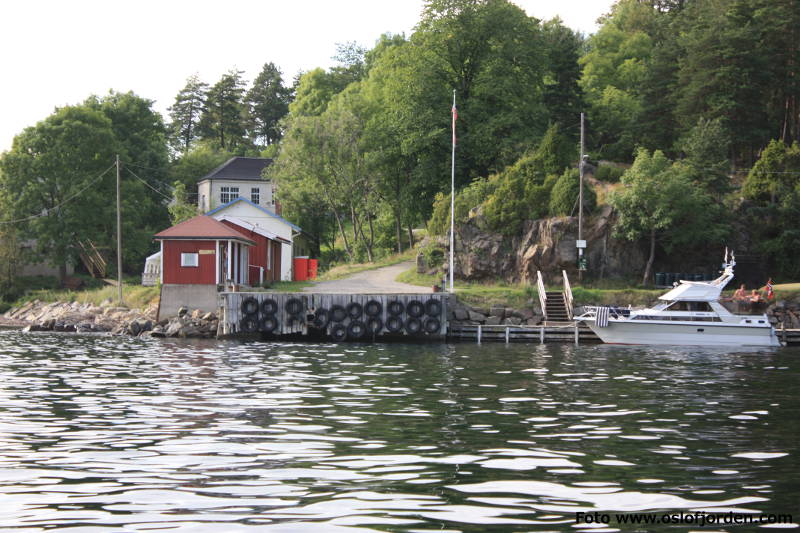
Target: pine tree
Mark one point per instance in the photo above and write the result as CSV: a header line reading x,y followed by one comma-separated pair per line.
x,y
267,102
224,114
185,114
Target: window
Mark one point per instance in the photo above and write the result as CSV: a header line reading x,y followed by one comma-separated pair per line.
x,y
228,194
255,195
190,259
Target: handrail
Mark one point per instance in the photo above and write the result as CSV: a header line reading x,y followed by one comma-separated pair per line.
x,y
542,293
567,294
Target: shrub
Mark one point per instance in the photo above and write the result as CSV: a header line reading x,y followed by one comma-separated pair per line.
x,y
564,196
609,174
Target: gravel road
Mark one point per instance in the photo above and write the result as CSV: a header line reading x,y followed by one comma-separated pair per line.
x,y
378,281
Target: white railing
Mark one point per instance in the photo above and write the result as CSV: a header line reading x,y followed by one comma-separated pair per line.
x,y
542,293
567,294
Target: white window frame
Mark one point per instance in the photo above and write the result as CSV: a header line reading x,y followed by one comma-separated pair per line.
x,y
190,259
228,194
255,195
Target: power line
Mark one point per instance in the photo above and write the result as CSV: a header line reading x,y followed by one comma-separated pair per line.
x,y
49,210
145,182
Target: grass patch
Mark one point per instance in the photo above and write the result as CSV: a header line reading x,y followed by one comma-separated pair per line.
x,y
287,286
348,269
520,295
134,296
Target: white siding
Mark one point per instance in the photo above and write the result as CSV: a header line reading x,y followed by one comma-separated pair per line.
x,y
255,216
212,189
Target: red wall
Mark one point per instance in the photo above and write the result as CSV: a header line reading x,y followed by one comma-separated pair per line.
x,y
258,254
174,273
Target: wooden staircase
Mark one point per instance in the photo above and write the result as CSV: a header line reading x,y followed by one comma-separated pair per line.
x,y
92,260
555,311
556,305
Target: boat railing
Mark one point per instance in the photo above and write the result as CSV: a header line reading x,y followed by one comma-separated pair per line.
x,y
567,294
540,289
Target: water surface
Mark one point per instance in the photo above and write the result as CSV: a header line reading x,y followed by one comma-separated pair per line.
x,y
119,434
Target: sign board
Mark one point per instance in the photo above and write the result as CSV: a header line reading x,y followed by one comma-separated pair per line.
x,y
580,243
206,252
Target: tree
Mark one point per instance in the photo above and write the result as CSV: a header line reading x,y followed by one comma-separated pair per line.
x,y
706,147
772,191
181,208
224,115
565,194
57,175
659,202
185,114
195,164
268,102
562,94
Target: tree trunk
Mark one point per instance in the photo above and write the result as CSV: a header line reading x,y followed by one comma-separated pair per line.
x,y
648,269
410,237
398,233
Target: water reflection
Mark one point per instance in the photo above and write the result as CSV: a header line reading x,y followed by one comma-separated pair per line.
x,y
116,434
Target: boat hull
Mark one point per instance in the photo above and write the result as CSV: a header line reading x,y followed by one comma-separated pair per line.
x,y
670,333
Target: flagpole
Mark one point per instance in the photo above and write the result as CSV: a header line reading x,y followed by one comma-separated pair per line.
x,y
453,194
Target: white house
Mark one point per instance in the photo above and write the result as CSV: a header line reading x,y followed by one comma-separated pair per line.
x,y
238,177
261,220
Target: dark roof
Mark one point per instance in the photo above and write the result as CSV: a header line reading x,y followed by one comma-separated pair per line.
x,y
202,228
239,168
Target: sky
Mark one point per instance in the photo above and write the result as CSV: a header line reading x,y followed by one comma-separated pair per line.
x,y
57,52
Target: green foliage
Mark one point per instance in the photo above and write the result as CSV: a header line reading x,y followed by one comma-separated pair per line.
x,y
267,103
180,209
224,117
659,201
467,198
191,166
772,189
185,114
564,196
609,173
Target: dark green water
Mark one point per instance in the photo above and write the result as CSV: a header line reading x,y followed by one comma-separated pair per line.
x,y
117,434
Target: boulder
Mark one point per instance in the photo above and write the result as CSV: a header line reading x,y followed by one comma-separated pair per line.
x,y
493,321
475,316
512,321
461,313
498,311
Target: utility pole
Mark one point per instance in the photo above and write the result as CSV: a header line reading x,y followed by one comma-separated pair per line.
x,y
453,195
119,237
581,244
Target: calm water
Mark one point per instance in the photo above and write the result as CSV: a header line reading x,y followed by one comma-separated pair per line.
x,y
117,434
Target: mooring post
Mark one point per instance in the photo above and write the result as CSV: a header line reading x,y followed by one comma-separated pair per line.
x,y
479,333
576,334
506,334
541,334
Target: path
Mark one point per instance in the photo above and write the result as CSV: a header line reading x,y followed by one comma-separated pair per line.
x,y
378,281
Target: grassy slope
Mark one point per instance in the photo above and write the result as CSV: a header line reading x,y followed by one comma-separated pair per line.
x,y
134,296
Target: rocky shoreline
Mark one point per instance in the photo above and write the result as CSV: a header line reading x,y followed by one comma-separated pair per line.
x,y
107,318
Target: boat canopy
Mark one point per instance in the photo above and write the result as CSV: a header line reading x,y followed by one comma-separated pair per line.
x,y
696,291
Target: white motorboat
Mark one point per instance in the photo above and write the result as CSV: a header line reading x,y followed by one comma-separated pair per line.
x,y
690,314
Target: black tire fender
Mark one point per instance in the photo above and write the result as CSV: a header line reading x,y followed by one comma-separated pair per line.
x,y
395,308
432,325
338,332
250,306
269,324
354,310
321,318
356,329
337,313
269,306
373,308
249,324
415,309
413,326
433,307
294,306
394,324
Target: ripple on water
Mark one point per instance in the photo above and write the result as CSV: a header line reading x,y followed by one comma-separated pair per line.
x,y
113,433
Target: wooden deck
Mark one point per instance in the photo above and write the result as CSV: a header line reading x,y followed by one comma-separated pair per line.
x,y
569,333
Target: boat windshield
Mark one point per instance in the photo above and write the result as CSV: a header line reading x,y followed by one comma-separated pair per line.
x,y
689,306
744,307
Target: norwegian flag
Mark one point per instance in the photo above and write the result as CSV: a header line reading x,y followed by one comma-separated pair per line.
x,y
770,294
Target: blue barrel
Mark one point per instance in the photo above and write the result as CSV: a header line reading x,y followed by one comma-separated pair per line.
x,y
660,279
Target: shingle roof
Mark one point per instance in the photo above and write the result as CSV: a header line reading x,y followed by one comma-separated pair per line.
x,y
201,227
239,168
